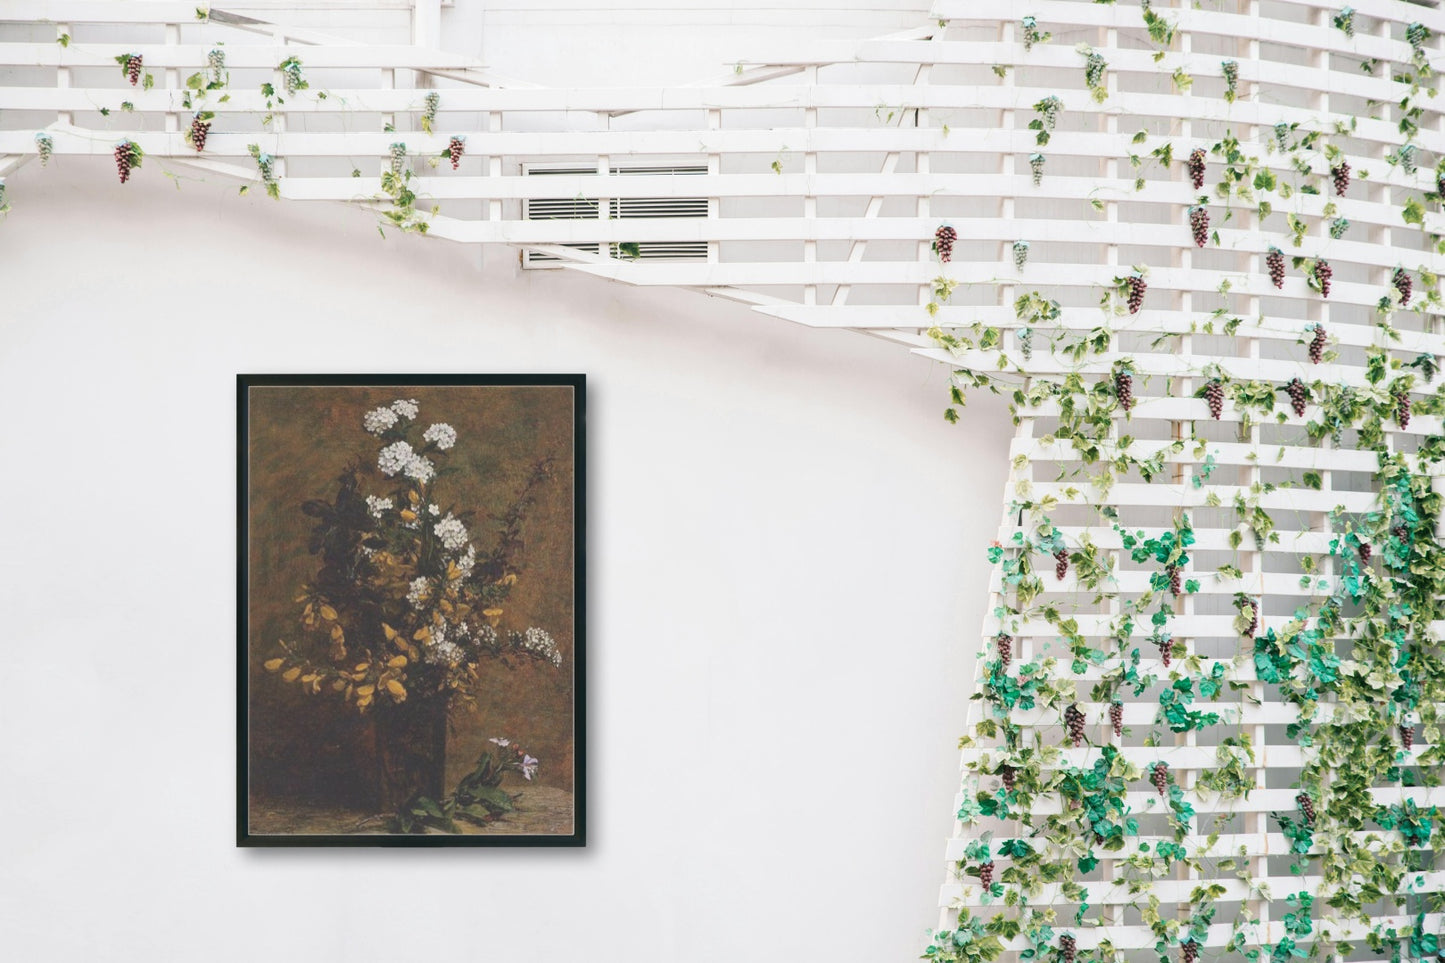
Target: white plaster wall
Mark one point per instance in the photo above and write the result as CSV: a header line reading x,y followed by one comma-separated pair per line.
x,y
786,570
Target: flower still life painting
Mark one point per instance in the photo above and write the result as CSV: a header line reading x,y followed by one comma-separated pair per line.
x,y
411,610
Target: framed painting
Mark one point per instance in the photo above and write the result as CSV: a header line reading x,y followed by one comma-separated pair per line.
x,y
410,598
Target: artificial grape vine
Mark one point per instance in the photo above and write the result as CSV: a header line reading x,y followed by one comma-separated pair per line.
x,y
1274,261
1195,166
128,157
1199,224
943,240
1340,175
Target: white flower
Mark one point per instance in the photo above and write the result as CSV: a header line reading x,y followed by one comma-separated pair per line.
x,y
486,636
394,457
539,643
444,653
377,505
452,533
441,650
420,468
500,741
529,766
405,407
419,592
378,420
467,562
443,434
433,509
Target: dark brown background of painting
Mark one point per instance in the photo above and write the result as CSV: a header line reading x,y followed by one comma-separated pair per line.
x,y
299,440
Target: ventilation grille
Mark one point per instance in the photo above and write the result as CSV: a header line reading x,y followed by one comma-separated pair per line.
x,y
621,209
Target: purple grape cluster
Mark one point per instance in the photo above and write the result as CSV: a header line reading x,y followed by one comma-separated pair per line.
x,y
199,130
1299,395
1403,284
1124,389
1009,777
1067,948
1196,167
1061,564
1166,651
1137,287
1317,345
1214,394
1323,272
1074,720
124,159
1274,260
1005,645
1176,581
1366,553
455,148
1407,737
1340,174
1116,718
1402,408
1253,617
985,873
133,66
1306,806
1199,224
1188,951
943,239
1159,776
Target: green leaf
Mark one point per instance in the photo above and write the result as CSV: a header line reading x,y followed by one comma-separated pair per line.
x,y
474,812
493,798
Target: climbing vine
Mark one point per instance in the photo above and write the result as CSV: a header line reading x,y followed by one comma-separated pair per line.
x,y
1058,751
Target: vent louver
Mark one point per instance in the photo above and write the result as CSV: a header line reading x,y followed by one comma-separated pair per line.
x,y
621,209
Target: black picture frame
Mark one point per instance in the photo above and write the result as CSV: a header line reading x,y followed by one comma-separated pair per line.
x,y
246,835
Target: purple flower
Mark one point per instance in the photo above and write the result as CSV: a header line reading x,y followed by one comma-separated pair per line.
x,y
529,766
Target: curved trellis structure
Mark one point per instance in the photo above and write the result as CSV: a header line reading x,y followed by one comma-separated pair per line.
x,y
1197,243
1214,634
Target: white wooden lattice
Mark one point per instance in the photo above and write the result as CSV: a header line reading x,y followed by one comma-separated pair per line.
x,y
827,171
